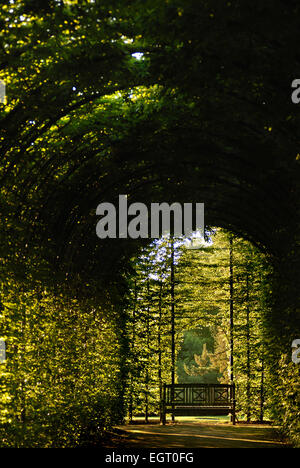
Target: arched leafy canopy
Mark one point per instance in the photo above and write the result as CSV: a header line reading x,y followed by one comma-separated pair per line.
x,y
204,114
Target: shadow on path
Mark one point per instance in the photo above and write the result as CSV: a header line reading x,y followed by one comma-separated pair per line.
x,y
202,435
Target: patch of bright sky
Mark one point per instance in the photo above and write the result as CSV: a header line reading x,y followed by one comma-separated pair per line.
x,y
138,55
194,242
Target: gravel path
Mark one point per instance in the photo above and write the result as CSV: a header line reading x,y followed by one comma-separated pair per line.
x,y
198,434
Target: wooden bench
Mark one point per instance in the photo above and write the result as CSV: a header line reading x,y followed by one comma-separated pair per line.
x,y
198,400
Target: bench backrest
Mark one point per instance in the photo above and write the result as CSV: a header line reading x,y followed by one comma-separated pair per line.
x,y
199,395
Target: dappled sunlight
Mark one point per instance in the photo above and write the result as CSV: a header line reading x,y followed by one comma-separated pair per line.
x,y
202,435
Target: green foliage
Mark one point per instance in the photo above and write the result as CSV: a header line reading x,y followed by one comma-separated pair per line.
x,y
192,345
286,399
202,327
60,380
204,114
202,369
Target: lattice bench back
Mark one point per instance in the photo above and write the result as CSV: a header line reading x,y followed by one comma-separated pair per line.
x,y
198,399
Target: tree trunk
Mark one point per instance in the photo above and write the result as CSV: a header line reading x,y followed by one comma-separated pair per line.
x,y
172,319
231,322
248,389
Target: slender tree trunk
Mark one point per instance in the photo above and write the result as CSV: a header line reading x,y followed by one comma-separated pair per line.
x,y
147,364
23,384
248,389
132,347
262,386
172,319
159,342
123,361
231,321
